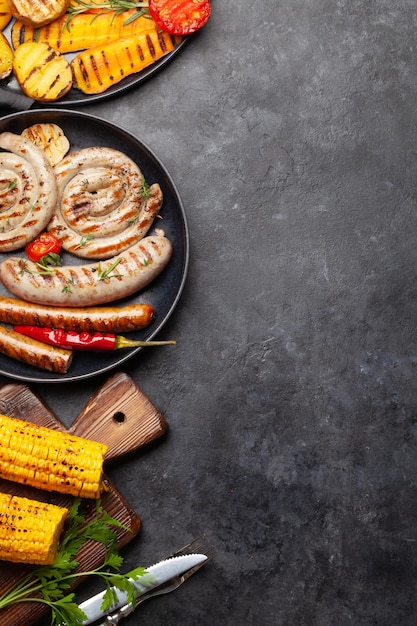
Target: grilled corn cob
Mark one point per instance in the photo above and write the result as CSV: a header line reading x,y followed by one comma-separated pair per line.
x,y
50,459
29,530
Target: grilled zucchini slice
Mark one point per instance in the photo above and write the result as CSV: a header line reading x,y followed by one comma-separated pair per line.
x,y
43,73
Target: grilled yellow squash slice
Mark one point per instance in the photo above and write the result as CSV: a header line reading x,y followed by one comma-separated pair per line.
x,y
79,32
97,69
6,57
42,73
37,12
5,14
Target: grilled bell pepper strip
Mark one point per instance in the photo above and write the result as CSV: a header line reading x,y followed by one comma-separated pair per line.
x,y
85,341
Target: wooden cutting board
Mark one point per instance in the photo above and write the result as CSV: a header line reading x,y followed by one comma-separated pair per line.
x,y
119,415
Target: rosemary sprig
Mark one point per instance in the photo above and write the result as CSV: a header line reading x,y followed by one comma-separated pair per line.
x,y
80,6
107,273
84,240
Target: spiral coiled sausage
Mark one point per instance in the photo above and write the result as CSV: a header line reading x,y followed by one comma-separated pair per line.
x,y
28,191
104,204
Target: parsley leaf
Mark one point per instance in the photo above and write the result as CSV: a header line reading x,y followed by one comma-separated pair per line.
x,y
50,584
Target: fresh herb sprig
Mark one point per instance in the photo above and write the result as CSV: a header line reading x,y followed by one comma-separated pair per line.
x,y
103,274
79,6
49,584
46,265
145,189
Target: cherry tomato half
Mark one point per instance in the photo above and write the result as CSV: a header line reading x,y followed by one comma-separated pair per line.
x,y
180,17
45,244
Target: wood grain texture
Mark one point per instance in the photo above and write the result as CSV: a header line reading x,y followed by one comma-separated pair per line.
x,y
121,416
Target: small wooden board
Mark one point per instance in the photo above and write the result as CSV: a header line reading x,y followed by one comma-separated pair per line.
x,y
119,415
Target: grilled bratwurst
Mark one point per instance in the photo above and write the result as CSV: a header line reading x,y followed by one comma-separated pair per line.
x,y
89,285
28,191
33,352
111,319
104,204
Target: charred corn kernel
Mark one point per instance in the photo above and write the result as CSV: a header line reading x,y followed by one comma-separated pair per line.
x,y
50,459
29,530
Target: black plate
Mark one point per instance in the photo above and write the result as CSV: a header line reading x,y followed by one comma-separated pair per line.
x,y
74,96
85,130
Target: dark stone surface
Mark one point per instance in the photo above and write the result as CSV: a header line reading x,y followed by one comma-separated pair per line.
x,y
289,128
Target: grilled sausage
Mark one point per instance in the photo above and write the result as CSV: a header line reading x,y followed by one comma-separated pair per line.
x,y
104,205
92,319
28,191
89,285
36,353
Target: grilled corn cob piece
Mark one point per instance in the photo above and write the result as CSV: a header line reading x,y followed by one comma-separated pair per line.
x,y
50,459
29,530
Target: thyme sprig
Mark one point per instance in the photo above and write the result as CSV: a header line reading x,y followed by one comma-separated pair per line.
x,y
49,584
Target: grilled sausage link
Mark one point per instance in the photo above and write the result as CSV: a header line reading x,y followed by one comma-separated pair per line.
x,y
91,319
28,191
35,353
88,285
104,205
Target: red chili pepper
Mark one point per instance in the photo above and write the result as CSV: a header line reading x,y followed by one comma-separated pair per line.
x,y
44,249
84,341
180,17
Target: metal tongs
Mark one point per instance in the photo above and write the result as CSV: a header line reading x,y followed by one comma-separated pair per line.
x,y
164,577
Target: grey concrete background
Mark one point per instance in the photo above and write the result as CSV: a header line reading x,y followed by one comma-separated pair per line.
x,y
289,128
